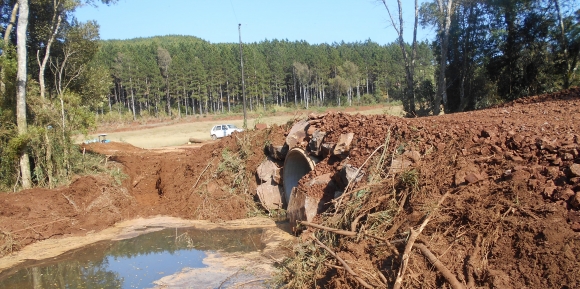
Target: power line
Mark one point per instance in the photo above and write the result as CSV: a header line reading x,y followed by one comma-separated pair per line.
x,y
234,10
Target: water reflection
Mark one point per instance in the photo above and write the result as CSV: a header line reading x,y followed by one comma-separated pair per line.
x,y
131,263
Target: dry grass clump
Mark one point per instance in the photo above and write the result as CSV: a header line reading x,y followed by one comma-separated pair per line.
x,y
7,243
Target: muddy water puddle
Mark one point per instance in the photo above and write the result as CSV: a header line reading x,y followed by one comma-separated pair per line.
x,y
133,263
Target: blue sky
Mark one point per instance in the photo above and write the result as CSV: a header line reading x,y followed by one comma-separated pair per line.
x,y
316,21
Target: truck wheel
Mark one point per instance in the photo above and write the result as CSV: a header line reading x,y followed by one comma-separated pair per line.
x,y
213,137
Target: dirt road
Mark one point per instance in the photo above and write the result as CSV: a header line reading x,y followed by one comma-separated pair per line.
x,y
178,131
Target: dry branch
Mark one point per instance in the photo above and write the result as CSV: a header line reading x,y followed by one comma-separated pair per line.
x,y
346,267
199,177
329,229
455,284
350,234
72,203
412,238
471,263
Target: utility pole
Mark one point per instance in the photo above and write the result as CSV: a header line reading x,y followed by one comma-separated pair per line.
x,y
243,83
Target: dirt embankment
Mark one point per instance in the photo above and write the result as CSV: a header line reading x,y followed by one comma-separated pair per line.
x,y
192,183
493,195
497,191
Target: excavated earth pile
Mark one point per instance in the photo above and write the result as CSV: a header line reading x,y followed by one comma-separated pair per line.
x,y
486,199
214,182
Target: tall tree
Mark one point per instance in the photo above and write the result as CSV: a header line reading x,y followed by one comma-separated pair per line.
x,y
60,11
21,92
6,43
350,74
164,62
409,60
446,8
56,21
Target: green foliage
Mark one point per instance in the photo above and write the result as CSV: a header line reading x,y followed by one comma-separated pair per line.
x,y
118,175
233,165
504,50
369,99
410,179
425,97
302,269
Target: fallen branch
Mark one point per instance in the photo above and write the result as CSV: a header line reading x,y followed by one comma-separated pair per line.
x,y
455,284
354,223
382,277
471,263
333,266
346,267
199,177
71,202
412,238
329,229
387,242
349,233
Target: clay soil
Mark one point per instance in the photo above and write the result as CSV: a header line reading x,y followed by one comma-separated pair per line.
x,y
505,177
186,182
496,193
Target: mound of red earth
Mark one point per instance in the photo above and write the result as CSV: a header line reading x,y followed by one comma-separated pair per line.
x,y
191,183
491,196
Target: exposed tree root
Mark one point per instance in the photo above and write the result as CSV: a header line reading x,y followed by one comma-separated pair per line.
x,y
455,284
471,263
346,267
412,238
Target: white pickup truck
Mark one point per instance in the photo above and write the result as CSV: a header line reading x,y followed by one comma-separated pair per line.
x,y
222,130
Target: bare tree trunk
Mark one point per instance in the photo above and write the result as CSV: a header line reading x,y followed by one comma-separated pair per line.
x,y
358,91
221,98
185,101
21,91
132,98
464,101
228,93
306,95
565,45
168,99
409,104
200,106
446,12
6,42
294,79
56,17
178,104
11,23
